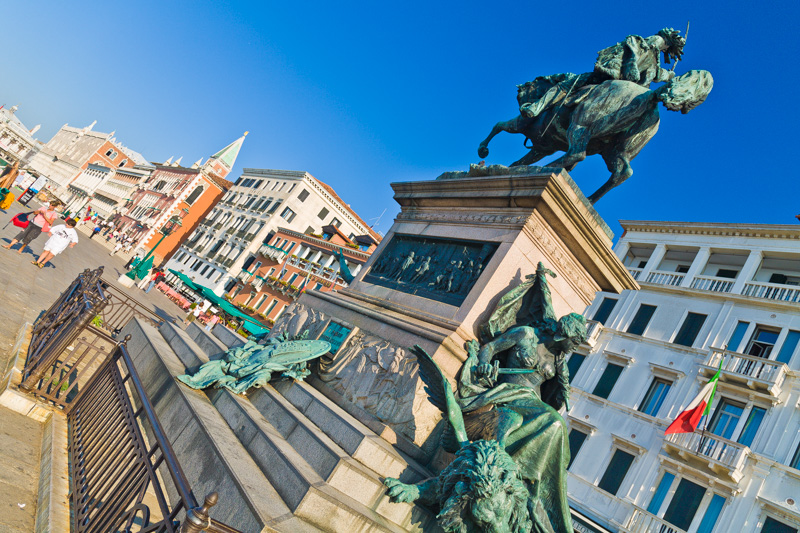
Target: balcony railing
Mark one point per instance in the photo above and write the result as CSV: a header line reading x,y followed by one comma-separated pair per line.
x,y
313,268
756,373
643,522
635,272
711,283
722,455
772,291
659,277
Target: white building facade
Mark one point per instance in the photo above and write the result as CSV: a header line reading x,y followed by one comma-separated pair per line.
x,y
712,295
260,202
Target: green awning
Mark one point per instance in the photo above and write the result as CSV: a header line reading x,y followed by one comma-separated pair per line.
x,y
250,324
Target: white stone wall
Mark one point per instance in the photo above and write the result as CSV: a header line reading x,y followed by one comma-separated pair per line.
x,y
756,480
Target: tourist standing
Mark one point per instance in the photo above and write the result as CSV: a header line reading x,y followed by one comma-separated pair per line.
x,y
157,275
45,216
61,237
116,249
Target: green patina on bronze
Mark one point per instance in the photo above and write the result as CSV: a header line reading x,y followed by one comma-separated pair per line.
x,y
253,364
511,444
609,111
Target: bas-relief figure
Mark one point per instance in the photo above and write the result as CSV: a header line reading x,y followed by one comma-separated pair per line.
x,y
377,376
609,111
298,318
511,443
444,270
253,365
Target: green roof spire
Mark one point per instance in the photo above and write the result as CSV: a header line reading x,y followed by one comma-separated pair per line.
x,y
228,154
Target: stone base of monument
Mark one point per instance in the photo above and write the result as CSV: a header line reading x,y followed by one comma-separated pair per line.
x,y
455,248
283,458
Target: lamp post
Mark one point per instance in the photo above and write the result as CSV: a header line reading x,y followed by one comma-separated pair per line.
x,y
141,269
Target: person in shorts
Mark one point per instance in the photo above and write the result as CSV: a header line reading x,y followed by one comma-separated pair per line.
x,y
45,216
61,237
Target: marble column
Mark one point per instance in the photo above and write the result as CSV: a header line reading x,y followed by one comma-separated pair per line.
x,y
698,264
748,271
655,259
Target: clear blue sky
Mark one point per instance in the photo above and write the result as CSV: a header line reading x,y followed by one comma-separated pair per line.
x,y
364,94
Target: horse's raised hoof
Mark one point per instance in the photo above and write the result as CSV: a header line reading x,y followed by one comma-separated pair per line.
x,y
483,151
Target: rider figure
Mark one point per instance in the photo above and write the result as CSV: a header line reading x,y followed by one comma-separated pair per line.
x,y
635,59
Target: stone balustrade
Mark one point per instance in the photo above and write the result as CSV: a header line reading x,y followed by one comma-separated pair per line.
x,y
635,272
772,291
659,277
643,522
712,283
756,373
721,455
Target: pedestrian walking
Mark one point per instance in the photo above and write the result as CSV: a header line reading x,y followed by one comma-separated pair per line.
x,y
157,275
45,216
95,231
193,314
116,249
61,238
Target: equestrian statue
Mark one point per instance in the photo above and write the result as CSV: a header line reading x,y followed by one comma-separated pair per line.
x,y
610,111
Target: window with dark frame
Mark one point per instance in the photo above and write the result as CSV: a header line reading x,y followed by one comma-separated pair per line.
x,y
574,364
654,397
682,269
303,195
641,319
685,503
576,440
604,310
690,328
727,273
773,526
322,214
788,347
762,342
607,380
616,471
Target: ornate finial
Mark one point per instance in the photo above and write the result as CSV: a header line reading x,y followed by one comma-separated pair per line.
x,y
197,519
245,134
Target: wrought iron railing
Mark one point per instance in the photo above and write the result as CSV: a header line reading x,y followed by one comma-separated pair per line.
x,y
75,334
124,475
124,472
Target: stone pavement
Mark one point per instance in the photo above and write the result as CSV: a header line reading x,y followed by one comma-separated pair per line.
x,y
25,292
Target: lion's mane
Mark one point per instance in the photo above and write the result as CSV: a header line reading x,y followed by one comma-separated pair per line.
x,y
481,469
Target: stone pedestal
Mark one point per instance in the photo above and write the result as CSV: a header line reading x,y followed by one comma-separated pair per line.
x,y
492,231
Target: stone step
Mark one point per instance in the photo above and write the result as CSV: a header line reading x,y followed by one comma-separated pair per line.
x,y
331,462
356,439
227,337
300,486
305,466
203,441
210,344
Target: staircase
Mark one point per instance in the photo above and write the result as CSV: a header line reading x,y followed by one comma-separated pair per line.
x,y
283,458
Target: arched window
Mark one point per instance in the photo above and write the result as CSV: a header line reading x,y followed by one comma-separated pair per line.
x,y
122,164
160,185
195,195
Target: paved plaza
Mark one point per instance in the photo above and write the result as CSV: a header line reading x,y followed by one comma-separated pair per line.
x,y
26,291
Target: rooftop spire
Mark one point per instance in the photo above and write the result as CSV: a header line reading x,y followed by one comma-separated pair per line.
x,y
227,155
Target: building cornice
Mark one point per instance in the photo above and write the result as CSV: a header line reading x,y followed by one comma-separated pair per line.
x,y
764,231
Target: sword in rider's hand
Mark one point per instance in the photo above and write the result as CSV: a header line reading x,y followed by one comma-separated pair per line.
x,y
685,38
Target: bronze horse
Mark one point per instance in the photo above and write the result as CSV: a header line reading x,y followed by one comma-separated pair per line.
x,y
615,119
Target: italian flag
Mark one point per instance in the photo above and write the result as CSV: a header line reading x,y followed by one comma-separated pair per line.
x,y
689,419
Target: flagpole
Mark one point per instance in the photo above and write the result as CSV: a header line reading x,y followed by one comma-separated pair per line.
x,y
705,425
